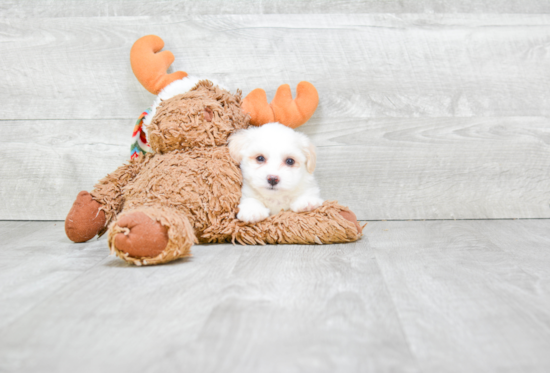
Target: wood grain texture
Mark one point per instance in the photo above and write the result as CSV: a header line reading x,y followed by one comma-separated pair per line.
x,y
422,116
228,309
118,8
30,271
472,296
364,65
45,162
436,168
444,296
430,168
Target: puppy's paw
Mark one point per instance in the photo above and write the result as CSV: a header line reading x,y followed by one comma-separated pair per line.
x,y
306,203
252,213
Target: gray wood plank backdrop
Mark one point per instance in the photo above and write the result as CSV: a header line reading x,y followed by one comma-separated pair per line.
x,y
429,109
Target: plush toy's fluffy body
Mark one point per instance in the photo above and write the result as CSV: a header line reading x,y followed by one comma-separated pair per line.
x,y
277,164
188,188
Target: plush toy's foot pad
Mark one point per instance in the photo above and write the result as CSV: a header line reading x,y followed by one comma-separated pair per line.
x,y
142,237
85,219
350,216
151,235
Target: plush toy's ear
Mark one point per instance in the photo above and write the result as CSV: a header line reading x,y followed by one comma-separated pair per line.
x,y
236,144
283,109
150,67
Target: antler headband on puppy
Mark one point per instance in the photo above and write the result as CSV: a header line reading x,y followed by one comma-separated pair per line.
x,y
149,66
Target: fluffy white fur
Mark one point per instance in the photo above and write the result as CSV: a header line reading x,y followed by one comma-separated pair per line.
x,y
264,153
175,88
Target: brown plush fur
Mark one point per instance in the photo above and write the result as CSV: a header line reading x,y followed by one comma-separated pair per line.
x,y
192,187
203,184
180,123
323,226
109,191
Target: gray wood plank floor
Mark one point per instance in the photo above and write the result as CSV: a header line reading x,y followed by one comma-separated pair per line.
x,y
433,296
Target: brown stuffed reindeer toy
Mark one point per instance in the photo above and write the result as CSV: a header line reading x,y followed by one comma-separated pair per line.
x,y
186,189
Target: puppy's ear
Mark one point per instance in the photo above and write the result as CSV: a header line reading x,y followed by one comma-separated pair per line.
x,y
311,155
236,143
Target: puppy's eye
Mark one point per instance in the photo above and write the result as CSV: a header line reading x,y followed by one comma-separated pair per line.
x,y
260,158
289,161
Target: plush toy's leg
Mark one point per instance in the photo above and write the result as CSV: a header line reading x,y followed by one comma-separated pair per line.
x,y
330,223
85,219
151,235
350,216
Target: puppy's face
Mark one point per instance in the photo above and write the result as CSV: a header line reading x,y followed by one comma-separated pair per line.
x,y
273,158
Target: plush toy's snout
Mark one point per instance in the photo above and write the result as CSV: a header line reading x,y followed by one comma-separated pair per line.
x,y
208,114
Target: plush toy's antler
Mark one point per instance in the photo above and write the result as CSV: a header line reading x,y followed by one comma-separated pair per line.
x,y
150,67
283,109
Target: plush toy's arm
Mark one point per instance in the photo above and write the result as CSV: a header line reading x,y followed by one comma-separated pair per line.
x,y
328,224
92,212
108,191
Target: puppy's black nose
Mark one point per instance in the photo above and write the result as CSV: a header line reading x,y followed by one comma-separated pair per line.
x,y
272,180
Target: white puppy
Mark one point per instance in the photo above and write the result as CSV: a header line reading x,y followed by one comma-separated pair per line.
x,y
277,165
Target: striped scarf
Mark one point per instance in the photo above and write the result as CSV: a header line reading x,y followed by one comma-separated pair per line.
x,y
139,140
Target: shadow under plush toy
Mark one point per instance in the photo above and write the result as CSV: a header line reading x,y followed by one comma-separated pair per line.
x,y
186,188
